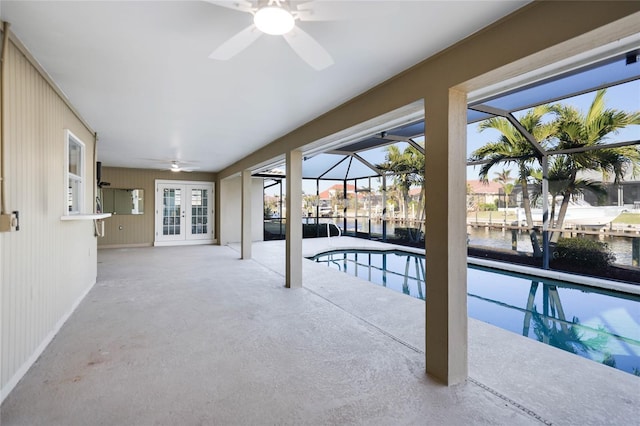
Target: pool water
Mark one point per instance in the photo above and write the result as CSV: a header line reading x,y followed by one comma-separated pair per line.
x,y
597,324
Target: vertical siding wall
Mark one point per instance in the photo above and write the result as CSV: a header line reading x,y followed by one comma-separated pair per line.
x,y
230,210
48,265
138,230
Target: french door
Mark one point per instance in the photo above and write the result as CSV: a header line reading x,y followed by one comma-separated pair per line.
x,y
184,213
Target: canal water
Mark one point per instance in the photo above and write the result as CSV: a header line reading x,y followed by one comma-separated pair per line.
x,y
496,238
620,246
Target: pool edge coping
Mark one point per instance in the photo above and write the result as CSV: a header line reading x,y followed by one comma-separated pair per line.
x,y
505,266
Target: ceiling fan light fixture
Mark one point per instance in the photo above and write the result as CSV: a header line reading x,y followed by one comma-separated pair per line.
x,y
274,20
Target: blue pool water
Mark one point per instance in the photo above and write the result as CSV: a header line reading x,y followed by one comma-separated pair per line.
x,y
600,325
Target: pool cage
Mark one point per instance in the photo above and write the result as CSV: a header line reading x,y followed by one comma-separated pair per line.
x,y
349,192
371,188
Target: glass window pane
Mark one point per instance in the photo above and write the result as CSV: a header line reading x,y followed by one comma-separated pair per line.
x,y
75,157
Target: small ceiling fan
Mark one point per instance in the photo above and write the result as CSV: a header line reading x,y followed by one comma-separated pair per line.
x,y
275,17
177,166
171,163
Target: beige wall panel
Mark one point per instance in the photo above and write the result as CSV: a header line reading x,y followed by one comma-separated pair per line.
x,y
139,229
230,210
230,213
48,265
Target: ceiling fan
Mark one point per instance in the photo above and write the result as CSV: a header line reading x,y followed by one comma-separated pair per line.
x,y
172,164
178,166
275,17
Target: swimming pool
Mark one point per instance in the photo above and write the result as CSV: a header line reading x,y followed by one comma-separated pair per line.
x,y
597,324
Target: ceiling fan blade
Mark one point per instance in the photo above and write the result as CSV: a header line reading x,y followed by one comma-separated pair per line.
x,y
236,44
308,49
318,11
240,5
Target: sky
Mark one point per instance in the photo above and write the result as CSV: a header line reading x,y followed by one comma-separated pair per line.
x,y
625,97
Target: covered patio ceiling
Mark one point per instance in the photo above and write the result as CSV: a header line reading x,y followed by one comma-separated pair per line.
x,y
140,75
359,159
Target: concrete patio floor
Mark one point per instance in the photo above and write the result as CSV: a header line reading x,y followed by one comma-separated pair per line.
x,y
194,335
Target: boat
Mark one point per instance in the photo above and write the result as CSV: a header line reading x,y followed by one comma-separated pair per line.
x,y
579,215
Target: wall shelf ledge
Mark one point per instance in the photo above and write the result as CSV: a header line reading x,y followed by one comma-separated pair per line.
x,y
94,216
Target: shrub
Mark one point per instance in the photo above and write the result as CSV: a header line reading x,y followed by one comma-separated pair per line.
x,y
487,207
583,252
408,234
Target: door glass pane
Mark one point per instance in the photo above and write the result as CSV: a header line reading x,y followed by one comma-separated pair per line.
x,y
199,211
171,210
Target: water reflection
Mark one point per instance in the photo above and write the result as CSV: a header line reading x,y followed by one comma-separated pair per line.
x,y
551,327
601,325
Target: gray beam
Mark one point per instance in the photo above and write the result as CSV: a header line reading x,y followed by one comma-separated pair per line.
x,y
514,122
416,145
368,164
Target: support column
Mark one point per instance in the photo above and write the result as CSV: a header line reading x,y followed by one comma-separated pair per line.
x,y
293,277
345,205
318,208
217,189
384,208
620,196
545,212
246,215
445,238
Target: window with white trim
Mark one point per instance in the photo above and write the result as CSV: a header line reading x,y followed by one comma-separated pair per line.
x,y
74,173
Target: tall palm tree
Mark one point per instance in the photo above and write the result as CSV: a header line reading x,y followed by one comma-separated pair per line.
x,y
408,169
504,178
577,130
558,178
418,165
310,201
513,148
394,197
336,198
561,184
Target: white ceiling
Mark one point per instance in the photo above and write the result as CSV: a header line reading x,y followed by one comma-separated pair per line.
x,y
139,72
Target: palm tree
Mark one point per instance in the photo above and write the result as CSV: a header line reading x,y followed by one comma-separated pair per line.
x,y
337,203
408,169
513,148
577,130
394,198
310,201
560,184
558,178
504,178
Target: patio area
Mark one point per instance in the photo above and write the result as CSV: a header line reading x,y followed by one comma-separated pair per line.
x,y
194,335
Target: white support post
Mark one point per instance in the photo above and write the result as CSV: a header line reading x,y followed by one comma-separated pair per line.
x,y
246,215
384,208
445,239
545,212
293,277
